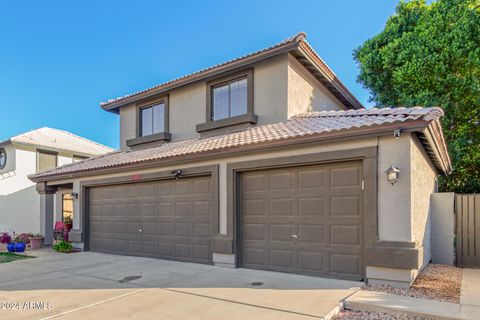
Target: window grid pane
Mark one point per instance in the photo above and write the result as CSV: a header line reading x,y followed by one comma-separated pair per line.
x,y
220,102
147,115
238,97
230,100
158,118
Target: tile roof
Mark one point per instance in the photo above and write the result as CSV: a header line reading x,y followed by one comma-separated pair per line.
x,y
313,125
286,45
59,140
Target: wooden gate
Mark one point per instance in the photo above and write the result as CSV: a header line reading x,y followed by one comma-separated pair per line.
x,y
467,240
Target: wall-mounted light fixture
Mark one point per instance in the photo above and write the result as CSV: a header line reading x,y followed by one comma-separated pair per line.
x,y
74,195
177,173
397,133
392,174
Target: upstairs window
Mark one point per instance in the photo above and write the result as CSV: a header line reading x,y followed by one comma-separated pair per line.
x,y
46,160
152,119
230,99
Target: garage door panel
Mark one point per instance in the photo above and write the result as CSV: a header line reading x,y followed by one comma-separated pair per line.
x,y
303,220
311,233
345,235
201,251
345,263
253,231
281,232
201,230
165,248
281,207
183,229
281,181
184,250
348,205
282,259
165,209
183,208
165,229
166,219
254,207
308,179
202,186
254,183
183,187
310,206
254,257
345,177
201,208
311,262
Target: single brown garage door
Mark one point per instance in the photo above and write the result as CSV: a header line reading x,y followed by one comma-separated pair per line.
x,y
305,220
168,219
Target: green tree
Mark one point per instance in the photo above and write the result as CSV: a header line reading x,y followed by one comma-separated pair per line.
x,y
429,55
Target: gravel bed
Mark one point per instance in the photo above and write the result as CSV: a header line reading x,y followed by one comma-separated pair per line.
x,y
436,282
363,315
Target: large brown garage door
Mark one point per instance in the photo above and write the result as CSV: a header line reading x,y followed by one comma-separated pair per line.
x,y
305,220
169,219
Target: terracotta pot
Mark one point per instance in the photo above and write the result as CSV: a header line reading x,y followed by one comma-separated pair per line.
x,y
36,243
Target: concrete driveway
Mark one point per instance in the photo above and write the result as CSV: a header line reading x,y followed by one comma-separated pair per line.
x,y
91,285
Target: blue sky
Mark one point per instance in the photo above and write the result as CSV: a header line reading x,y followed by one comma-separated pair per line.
x,y
60,59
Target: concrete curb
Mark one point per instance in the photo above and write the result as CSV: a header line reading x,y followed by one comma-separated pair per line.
x,y
400,305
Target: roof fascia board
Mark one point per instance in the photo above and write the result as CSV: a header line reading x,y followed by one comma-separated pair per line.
x,y
342,135
5,142
327,74
430,135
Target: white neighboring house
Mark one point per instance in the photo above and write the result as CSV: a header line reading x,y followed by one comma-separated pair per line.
x,y
31,152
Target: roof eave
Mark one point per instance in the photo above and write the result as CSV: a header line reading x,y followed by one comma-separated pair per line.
x,y
5,142
323,73
437,150
413,126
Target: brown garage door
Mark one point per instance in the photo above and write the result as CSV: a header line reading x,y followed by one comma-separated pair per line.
x,y
169,219
305,220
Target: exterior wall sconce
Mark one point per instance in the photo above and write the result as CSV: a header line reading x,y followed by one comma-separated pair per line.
x,y
397,133
74,195
392,174
177,173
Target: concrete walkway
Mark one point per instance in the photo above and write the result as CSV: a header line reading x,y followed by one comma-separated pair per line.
x,y
90,285
469,307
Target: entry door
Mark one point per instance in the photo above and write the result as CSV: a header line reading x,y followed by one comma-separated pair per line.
x,y
305,220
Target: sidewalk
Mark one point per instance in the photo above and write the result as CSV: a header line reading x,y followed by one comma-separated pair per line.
x,y
469,307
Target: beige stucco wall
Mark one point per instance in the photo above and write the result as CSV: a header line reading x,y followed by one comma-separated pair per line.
x,y
405,212
423,185
187,109
306,93
394,205
127,117
281,88
270,90
394,223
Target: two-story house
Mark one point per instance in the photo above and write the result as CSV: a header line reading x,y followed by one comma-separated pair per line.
x,y
268,162
29,153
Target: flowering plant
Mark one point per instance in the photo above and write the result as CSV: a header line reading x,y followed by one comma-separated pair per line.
x,y
22,237
5,238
